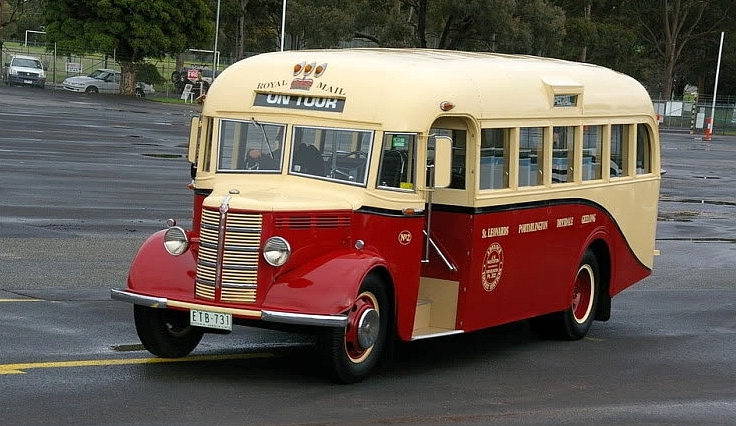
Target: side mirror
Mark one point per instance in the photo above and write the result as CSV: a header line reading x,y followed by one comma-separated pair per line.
x,y
442,161
193,140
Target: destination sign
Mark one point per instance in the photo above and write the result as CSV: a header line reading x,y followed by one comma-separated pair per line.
x,y
313,103
566,100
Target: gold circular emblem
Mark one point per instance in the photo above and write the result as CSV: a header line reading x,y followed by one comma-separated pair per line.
x,y
492,266
404,237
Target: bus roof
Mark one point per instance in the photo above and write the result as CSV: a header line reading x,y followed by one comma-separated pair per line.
x,y
402,89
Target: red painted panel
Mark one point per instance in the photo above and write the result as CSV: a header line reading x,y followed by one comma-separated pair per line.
x,y
521,263
155,272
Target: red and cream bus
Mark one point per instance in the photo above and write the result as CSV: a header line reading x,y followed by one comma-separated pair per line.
x,y
374,195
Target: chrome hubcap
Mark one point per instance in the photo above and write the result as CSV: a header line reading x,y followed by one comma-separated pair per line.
x,y
368,328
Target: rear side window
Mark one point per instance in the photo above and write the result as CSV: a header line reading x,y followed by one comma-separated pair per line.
x,y
643,149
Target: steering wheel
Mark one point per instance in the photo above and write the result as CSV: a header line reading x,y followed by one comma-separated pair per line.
x,y
356,154
252,163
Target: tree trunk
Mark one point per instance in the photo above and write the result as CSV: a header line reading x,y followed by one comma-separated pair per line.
x,y
422,23
584,52
240,41
127,79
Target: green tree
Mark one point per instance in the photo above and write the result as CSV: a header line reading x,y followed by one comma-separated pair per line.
x,y
14,11
669,28
131,29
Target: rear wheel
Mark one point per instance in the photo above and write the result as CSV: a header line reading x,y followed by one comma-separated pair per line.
x,y
574,322
166,333
350,354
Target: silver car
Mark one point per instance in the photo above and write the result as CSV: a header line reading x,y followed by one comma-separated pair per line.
x,y
103,81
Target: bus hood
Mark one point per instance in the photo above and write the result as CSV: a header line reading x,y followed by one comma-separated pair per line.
x,y
297,196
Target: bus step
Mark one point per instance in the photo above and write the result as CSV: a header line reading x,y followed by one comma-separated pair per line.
x,y
423,314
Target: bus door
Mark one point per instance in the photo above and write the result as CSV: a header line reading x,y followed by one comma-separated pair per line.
x,y
445,265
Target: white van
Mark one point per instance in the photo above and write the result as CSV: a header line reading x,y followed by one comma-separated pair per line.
x,y
25,71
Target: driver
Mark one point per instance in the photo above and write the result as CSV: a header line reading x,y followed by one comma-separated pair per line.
x,y
262,159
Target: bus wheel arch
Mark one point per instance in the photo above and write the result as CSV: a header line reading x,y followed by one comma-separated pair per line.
x,y
350,354
166,333
603,255
574,322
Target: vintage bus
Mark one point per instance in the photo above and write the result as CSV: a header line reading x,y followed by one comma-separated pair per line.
x,y
370,196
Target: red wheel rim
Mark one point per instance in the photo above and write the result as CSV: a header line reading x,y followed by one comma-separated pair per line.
x,y
365,302
582,294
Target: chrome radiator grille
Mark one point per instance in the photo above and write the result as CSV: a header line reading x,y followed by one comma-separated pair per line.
x,y
237,272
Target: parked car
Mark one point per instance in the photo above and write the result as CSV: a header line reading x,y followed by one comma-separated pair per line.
x,y
103,81
24,71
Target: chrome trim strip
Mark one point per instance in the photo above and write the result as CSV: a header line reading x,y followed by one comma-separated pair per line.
x,y
137,299
440,334
337,321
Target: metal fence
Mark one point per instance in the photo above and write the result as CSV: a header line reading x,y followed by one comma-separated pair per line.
x,y
693,115
58,67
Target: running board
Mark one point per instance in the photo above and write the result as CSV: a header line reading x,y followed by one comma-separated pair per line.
x,y
436,334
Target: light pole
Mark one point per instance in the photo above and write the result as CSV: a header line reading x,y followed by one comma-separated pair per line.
x,y
283,24
214,51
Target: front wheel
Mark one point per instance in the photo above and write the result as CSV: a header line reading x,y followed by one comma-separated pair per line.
x,y
574,322
166,333
350,354
91,89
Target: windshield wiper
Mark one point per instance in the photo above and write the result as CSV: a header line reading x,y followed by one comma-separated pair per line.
x,y
265,137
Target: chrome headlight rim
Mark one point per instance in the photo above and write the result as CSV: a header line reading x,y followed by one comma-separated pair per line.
x,y
176,241
276,251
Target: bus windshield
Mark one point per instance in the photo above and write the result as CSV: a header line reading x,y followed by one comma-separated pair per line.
x,y
334,154
250,146
317,152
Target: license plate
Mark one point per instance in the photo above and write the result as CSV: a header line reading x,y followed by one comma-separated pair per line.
x,y
209,319
27,82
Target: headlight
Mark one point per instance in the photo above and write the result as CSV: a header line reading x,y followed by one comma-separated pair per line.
x,y
175,240
276,251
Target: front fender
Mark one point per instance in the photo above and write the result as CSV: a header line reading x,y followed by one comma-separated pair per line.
x,y
155,272
327,285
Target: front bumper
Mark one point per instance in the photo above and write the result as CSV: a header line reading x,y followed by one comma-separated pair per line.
x,y
24,80
75,88
337,321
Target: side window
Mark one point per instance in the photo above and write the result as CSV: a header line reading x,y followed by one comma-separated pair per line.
x,y
494,158
619,150
643,149
563,149
531,156
398,161
592,150
207,154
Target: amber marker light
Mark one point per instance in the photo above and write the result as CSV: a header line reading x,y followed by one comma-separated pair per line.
x,y
320,70
298,68
446,105
309,68
410,211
